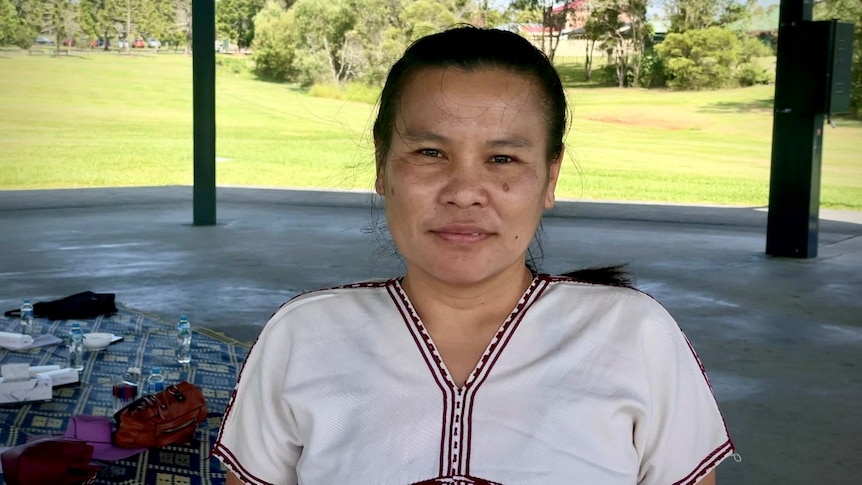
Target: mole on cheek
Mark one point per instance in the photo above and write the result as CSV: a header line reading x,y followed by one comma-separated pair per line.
x,y
505,187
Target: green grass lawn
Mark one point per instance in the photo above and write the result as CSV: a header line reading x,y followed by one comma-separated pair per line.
x,y
103,119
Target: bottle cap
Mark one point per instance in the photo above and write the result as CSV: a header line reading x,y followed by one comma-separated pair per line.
x,y
156,370
26,300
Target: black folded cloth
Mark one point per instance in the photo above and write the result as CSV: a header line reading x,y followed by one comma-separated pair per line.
x,y
80,305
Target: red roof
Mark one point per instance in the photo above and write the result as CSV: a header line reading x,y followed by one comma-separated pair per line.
x,y
573,5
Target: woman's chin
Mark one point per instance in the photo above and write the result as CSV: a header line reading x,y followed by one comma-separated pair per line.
x,y
466,274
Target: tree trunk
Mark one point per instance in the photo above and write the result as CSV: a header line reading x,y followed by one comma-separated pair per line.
x,y
332,69
128,25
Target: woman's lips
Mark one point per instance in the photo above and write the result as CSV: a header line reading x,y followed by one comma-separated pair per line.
x,y
460,234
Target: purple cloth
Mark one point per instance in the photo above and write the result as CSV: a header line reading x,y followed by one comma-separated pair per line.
x,y
96,431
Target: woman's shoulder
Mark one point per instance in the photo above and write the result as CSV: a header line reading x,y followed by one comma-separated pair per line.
x,y
333,296
331,305
602,296
610,282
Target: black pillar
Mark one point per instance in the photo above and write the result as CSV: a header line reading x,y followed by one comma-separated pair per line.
x,y
797,136
203,94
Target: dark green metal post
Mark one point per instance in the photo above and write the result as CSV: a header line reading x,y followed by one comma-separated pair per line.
x,y
203,88
797,140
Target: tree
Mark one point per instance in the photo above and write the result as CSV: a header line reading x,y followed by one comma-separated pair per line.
x,y
620,28
61,19
594,31
127,19
275,42
158,19
20,22
183,34
612,35
423,17
322,53
381,33
848,11
553,18
336,41
235,20
99,18
687,15
639,33
700,59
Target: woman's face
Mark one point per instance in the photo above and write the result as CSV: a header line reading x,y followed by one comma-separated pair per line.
x,y
467,177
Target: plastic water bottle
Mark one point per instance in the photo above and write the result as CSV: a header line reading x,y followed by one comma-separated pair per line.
x,y
27,317
156,381
76,347
184,341
126,389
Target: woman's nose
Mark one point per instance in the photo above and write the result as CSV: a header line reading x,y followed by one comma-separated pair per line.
x,y
466,184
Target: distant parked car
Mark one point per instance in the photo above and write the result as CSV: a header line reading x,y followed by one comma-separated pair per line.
x,y
139,43
154,43
68,42
44,40
122,44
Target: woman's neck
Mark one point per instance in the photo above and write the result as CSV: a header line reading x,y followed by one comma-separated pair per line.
x,y
442,305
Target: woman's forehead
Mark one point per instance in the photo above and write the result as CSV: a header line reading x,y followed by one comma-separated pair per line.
x,y
443,80
485,95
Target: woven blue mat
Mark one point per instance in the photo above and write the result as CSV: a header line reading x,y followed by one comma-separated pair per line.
x,y
147,343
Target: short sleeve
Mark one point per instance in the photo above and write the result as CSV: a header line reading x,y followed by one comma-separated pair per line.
x,y
258,439
683,435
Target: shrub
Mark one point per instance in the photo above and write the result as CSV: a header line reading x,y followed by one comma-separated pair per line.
x,y
274,44
312,67
348,92
236,65
652,74
752,48
750,73
700,59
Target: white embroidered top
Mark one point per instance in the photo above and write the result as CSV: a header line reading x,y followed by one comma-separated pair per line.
x,y
582,384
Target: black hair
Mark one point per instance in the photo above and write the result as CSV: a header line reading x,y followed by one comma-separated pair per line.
x,y
468,48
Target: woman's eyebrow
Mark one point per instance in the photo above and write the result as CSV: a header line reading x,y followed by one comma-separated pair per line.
x,y
513,141
423,136
510,141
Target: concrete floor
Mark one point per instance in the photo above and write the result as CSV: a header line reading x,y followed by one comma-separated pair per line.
x,y
781,338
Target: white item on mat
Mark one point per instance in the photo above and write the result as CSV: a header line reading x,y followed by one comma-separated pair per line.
x,y
14,341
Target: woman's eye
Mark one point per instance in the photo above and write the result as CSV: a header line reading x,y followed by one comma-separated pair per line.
x,y
501,159
430,152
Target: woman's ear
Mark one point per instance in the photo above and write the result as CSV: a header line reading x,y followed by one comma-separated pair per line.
x,y
553,176
380,162
379,186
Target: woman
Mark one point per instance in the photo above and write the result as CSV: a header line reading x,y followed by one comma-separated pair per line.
x,y
471,368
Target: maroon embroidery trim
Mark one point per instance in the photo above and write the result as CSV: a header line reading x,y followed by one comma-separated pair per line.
x,y
407,315
460,400
707,463
537,287
235,466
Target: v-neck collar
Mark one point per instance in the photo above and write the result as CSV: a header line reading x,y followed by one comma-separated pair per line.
x,y
456,430
492,352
